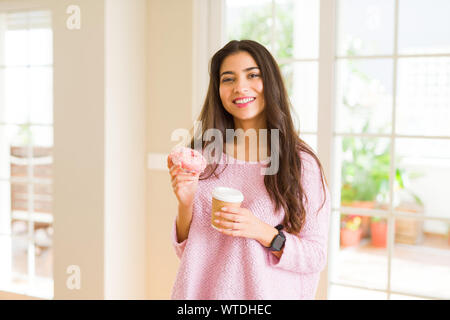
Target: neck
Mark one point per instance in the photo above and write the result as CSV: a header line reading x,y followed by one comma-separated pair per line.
x,y
255,124
245,149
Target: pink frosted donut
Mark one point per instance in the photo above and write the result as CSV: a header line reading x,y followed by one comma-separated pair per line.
x,y
190,159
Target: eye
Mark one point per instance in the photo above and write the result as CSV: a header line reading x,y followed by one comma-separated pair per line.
x,y
227,79
254,75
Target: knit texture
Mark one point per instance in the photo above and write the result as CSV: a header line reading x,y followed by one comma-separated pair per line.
x,y
221,267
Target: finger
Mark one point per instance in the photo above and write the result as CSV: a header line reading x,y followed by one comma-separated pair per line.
x,y
177,171
182,183
229,216
187,174
173,168
181,178
176,183
234,210
176,180
233,233
228,224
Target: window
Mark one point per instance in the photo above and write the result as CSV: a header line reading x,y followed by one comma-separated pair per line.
x,y
293,42
391,140
26,140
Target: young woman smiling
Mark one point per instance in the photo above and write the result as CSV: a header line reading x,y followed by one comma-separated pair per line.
x,y
275,244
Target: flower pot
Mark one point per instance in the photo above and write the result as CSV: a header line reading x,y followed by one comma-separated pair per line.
x,y
350,238
365,220
378,231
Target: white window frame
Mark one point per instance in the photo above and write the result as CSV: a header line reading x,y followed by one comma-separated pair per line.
x,y
208,40
10,7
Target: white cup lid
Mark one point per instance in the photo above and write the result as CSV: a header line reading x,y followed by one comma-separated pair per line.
x,y
227,194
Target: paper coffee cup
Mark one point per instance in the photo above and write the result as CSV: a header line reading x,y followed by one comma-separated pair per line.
x,y
224,197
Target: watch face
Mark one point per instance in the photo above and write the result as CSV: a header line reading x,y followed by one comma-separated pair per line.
x,y
278,243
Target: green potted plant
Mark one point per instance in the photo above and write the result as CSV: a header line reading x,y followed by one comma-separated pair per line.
x,y
350,230
365,174
366,165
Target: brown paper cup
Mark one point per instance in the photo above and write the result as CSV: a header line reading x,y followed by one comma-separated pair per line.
x,y
224,197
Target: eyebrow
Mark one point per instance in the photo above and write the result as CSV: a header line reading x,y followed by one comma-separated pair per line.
x,y
231,72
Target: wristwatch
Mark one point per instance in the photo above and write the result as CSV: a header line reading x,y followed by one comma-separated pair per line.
x,y
279,240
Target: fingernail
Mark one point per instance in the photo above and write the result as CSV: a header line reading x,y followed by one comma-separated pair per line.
x,y
224,208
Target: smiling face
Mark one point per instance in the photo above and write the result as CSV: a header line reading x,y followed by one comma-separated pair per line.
x,y
241,87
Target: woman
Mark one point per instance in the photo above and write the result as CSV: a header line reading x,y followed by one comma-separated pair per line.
x,y
276,244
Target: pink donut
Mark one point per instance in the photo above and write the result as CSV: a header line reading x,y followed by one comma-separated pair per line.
x,y
190,159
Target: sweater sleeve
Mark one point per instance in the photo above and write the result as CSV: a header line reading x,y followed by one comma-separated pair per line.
x,y
306,252
178,246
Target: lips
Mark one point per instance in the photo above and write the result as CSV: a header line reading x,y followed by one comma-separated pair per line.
x,y
242,102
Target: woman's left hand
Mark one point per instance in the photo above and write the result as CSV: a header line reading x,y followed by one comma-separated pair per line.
x,y
244,224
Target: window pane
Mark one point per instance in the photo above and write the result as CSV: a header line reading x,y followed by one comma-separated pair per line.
x,y
423,177
42,202
16,47
301,80
26,95
297,28
42,136
14,94
360,261
310,139
424,26
360,258
365,27
20,252
28,38
345,293
41,38
5,209
422,268
41,92
423,96
249,19
12,142
14,149
365,166
13,264
44,252
364,96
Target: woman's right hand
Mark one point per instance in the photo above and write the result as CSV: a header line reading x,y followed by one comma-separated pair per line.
x,y
184,184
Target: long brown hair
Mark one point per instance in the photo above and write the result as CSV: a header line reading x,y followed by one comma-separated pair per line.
x,y
283,187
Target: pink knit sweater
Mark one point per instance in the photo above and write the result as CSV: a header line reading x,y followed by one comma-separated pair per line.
x,y
221,267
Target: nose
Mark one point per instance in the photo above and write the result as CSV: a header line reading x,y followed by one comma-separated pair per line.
x,y
241,86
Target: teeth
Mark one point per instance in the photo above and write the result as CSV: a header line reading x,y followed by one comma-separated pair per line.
x,y
244,100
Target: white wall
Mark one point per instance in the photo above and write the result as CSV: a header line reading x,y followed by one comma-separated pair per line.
x,y
79,149
125,149
170,107
99,152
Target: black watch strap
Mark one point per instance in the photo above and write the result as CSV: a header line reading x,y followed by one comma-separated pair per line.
x,y
279,240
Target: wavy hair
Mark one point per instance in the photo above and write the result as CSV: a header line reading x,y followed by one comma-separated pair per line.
x,y
285,188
